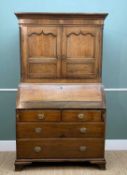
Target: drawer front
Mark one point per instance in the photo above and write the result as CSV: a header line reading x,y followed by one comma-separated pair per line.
x,y
81,115
59,130
38,115
60,148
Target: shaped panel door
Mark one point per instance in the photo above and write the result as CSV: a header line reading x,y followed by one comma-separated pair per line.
x,y
43,49
80,52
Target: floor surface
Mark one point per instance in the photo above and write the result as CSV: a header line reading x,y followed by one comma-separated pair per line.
x,y
116,165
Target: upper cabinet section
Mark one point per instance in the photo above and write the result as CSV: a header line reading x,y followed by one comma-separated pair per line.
x,y
61,47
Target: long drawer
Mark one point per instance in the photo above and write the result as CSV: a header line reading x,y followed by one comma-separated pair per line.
x,y
58,130
60,148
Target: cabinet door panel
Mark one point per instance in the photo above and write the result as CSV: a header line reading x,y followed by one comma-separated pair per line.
x,y
80,52
43,52
79,70
42,70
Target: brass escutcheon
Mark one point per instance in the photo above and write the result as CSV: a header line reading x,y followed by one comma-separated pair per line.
x,y
83,130
38,130
81,116
82,148
41,116
37,149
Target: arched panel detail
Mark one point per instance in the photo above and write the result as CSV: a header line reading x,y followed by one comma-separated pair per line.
x,y
42,44
42,32
84,42
80,33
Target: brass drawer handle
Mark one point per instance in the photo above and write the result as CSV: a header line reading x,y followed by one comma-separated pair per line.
x,y
83,130
37,149
38,130
81,116
41,116
82,148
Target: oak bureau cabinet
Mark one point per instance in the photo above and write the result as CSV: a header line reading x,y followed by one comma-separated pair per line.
x,y
60,107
